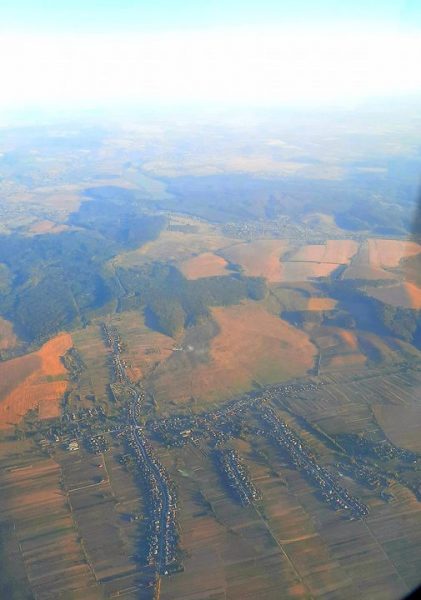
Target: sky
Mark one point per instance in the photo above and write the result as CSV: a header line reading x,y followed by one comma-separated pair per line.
x,y
87,54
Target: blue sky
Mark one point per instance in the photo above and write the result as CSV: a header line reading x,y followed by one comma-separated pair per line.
x,y
261,53
141,15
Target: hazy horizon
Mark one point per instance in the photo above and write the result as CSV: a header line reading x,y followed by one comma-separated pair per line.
x,y
106,57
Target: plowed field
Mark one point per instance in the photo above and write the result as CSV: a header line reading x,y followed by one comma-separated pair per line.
x,y
37,380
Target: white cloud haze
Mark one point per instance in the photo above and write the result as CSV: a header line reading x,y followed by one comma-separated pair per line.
x,y
233,67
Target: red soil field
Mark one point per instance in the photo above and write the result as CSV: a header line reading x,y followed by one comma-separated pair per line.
x,y
302,271
334,251
389,253
317,304
37,380
349,338
339,348
347,361
252,345
207,264
260,258
407,295
377,258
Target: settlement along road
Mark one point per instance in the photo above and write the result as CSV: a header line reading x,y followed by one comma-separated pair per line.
x,y
162,486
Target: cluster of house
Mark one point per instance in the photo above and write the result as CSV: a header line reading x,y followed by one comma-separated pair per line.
x,y
97,443
162,503
303,459
365,474
235,474
382,450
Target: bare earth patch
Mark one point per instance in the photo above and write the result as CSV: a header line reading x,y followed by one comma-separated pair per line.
x,y
380,259
319,304
333,251
304,271
37,380
175,245
401,425
389,253
146,348
261,258
252,345
207,264
40,227
407,295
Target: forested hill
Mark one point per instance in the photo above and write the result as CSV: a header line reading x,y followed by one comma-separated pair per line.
x,y
172,302
54,281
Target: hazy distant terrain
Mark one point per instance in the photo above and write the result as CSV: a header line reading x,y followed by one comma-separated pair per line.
x,y
269,261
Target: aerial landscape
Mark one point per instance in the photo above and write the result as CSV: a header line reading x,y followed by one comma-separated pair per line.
x,y
210,353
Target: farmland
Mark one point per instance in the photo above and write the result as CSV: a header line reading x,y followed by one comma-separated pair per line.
x,y
210,361
381,259
48,551
204,265
34,381
333,251
251,345
407,295
317,552
182,239
261,258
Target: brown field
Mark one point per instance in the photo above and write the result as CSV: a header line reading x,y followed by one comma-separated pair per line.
x,y
303,271
177,246
230,551
339,349
207,264
333,251
35,381
45,542
94,379
380,259
389,253
317,304
102,500
346,361
379,554
401,424
349,338
386,349
343,348
346,400
407,295
8,337
261,258
66,199
251,345
145,348
302,296
412,269
316,552
40,227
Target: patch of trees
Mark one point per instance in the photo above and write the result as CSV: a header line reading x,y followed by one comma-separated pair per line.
x,y
353,201
173,302
116,214
402,322
371,314
51,282
55,280
73,362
